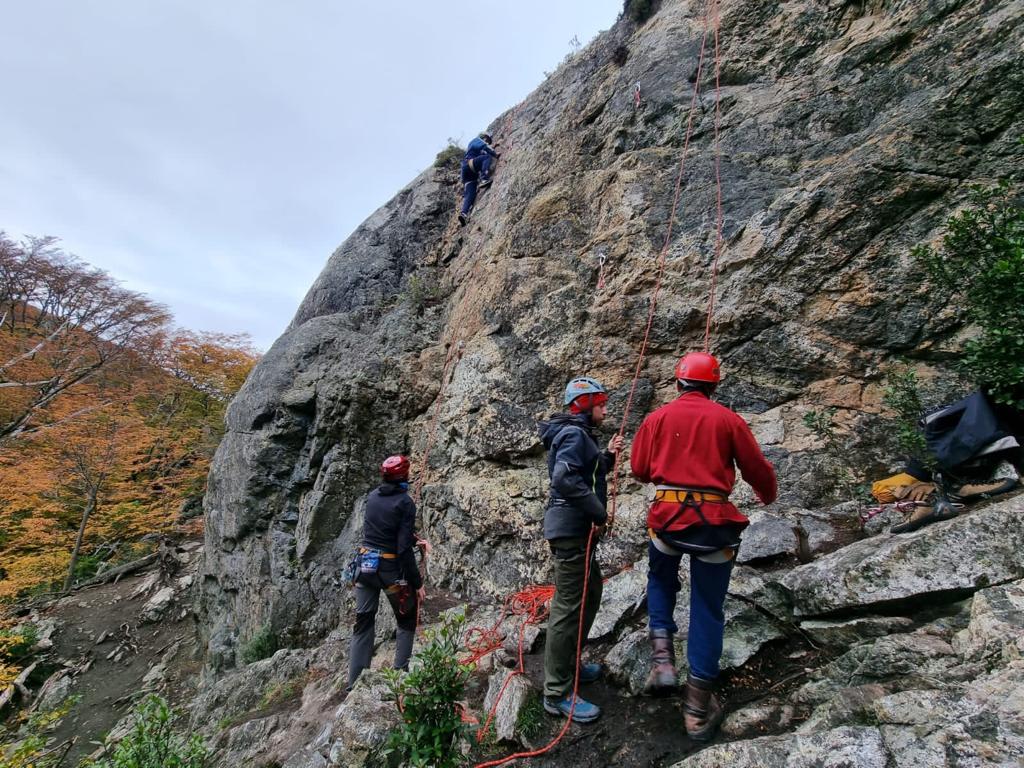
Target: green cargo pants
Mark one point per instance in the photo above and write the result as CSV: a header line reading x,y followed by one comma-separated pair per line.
x,y
564,619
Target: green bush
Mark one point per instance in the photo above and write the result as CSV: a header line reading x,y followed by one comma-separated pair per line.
x,y
834,463
903,398
262,645
16,644
530,718
153,742
450,154
981,263
431,732
30,745
422,292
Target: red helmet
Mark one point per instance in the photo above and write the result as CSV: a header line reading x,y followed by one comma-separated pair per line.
x,y
698,366
395,468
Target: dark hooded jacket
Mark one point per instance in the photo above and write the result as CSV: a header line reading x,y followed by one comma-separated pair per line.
x,y
578,469
389,525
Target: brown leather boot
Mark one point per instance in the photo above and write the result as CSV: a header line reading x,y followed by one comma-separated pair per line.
x,y
702,712
662,678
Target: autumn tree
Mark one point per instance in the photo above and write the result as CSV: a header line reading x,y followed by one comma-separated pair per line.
x,y
87,464
62,325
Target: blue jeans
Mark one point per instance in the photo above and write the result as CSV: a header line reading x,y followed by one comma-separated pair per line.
x,y
708,584
471,177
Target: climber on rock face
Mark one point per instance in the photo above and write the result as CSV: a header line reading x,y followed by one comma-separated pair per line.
x,y
576,507
387,562
476,172
690,449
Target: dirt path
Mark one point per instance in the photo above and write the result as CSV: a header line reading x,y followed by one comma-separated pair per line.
x,y
129,650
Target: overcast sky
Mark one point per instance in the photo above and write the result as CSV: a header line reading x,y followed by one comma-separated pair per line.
x,y
213,154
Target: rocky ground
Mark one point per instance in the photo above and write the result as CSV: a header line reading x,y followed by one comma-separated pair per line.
x,y
848,133
111,644
890,650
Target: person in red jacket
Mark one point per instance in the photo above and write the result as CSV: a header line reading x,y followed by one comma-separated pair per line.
x,y
690,449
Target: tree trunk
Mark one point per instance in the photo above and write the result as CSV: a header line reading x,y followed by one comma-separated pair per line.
x,y
89,507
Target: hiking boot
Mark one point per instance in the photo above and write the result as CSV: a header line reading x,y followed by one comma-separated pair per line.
x,y
702,712
590,673
584,711
463,218
925,514
978,491
484,184
662,678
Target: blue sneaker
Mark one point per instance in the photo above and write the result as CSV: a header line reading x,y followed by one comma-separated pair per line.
x,y
584,712
590,673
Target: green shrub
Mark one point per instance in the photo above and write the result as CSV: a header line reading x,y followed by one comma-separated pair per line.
x,y
981,263
422,292
431,732
29,746
531,717
903,398
16,644
834,463
262,645
153,742
450,154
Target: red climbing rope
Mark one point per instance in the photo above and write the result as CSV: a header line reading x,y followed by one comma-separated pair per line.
x,y
716,23
576,680
661,266
711,19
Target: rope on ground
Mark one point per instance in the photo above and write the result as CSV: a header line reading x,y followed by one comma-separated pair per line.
x,y
576,680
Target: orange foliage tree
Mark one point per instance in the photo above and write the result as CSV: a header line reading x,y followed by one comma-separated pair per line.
x,y
107,427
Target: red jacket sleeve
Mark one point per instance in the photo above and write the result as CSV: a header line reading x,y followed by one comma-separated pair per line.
x,y
640,453
754,467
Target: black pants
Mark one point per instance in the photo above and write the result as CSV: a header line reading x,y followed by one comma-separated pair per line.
x,y
403,602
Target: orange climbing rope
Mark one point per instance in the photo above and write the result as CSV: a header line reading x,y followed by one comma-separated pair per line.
x,y
576,679
716,24
531,603
613,498
711,19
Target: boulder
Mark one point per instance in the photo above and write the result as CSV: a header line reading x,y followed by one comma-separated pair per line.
x,y
362,722
843,634
846,747
969,552
157,605
507,692
623,596
996,627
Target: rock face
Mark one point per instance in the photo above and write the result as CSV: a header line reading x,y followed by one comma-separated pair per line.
x,y
848,133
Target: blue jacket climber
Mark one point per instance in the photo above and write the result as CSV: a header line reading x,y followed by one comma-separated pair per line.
x,y
476,172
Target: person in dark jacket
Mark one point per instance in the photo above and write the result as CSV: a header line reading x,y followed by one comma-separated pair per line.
x,y
690,449
476,172
576,506
387,562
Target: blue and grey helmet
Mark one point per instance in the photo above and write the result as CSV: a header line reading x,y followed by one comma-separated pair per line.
x,y
584,385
